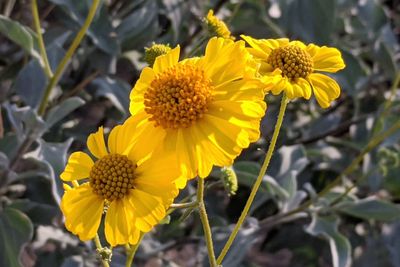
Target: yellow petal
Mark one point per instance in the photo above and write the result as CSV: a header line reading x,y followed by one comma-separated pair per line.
x,y
119,222
325,89
209,151
123,138
148,209
185,154
325,58
82,210
145,136
225,139
289,90
159,169
239,90
115,139
166,61
141,86
78,167
265,46
305,88
245,115
135,236
96,144
224,60
301,88
274,82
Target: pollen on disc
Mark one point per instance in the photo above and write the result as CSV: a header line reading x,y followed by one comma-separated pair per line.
x,y
178,97
112,176
293,61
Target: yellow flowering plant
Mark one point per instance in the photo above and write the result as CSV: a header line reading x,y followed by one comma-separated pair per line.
x,y
191,133
204,110
132,188
293,67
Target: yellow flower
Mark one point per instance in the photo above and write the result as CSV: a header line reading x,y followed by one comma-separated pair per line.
x,y
203,110
217,27
132,186
292,66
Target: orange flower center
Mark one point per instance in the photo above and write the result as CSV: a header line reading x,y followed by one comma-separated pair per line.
x,y
112,176
293,61
178,97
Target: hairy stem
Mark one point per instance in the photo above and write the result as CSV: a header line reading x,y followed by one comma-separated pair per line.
x,y
205,223
61,67
257,184
131,251
43,54
97,242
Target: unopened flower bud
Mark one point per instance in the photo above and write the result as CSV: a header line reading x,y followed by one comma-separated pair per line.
x,y
217,27
229,179
151,53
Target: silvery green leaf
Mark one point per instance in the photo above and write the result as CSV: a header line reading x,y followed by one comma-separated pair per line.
x,y
371,209
287,159
55,155
3,161
55,53
30,83
39,213
289,183
386,58
294,201
354,77
100,31
372,14
25,121
321,13
117,91
15,230
247,172
9,144
19,34
275,189
139,27
62,110
246,237
327,227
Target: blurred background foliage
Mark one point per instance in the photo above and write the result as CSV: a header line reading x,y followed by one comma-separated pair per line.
x,y
294,220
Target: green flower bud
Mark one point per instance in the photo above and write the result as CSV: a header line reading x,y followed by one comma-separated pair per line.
x,y
229,179
105,254
151,53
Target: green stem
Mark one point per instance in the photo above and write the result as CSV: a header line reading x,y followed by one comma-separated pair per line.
x,y
257,184
131,251
36,21
205,223
388,103
99,247
184,205
61,67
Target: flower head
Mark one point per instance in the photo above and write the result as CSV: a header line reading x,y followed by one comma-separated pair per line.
x,y
293,67
217,27
203,110
151,53
133,187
